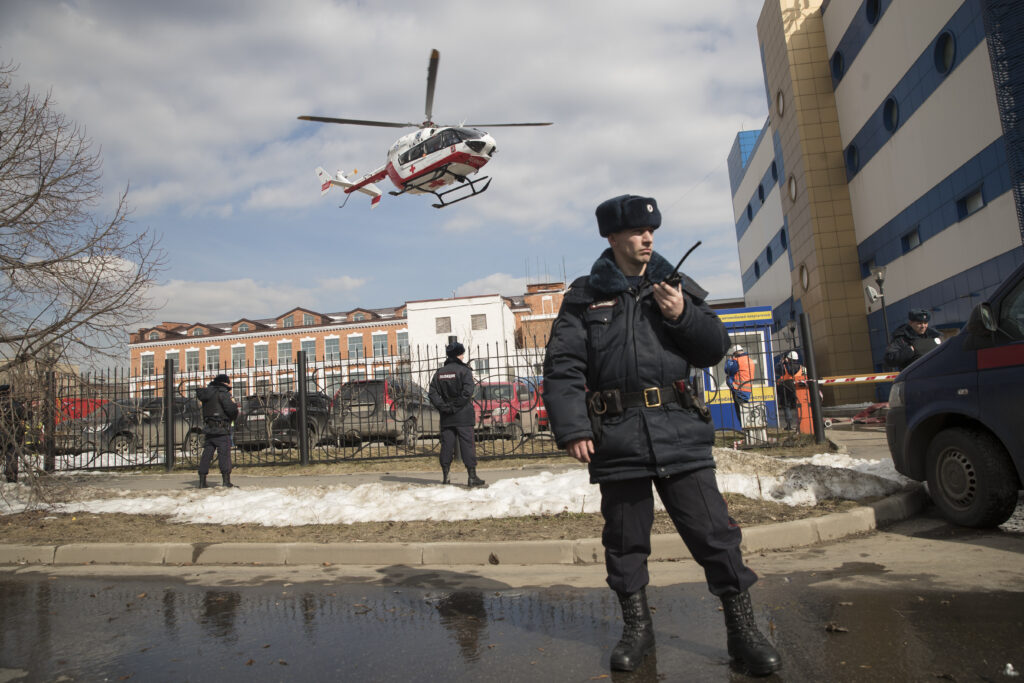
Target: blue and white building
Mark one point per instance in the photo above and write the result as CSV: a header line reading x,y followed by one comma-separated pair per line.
x,y
893,146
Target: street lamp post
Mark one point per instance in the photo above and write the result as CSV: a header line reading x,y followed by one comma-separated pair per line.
x,y
879,274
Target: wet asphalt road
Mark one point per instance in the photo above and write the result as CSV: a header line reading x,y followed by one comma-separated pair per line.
x,y
921,601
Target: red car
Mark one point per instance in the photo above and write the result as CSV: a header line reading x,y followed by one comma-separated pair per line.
x,y
506,408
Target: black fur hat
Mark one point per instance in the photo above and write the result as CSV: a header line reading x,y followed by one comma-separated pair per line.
x,y
454,350
222,379
625,212
919,315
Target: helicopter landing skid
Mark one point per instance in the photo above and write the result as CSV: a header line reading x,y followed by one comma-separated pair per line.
x,y
473,191
462,180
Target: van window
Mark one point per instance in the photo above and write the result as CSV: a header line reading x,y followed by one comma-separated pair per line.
x,y
1011,313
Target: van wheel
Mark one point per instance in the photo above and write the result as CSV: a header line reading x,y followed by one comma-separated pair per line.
x,y
193,447
410,433
514,431
971,478
121,445
312,437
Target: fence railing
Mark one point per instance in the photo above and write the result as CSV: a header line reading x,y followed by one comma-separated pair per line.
x,y
120,419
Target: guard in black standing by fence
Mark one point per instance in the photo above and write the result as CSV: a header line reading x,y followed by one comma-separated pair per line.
x,y
12,431
219,411
451,392
616,389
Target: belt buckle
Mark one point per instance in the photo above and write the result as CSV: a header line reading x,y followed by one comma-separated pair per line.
x,y
657,397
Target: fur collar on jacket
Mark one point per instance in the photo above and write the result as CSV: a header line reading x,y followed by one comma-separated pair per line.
x,y
607,279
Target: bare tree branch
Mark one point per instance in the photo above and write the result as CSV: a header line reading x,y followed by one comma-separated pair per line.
x,y
71,282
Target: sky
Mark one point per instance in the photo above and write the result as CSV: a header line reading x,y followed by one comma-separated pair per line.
x,y
796,481
194,107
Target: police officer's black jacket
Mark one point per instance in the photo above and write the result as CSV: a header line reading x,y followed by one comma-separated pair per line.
x,y
219,411
907,345
451,392
609,336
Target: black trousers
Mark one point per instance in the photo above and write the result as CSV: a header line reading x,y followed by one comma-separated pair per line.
x,y
699,513
222,444
466,445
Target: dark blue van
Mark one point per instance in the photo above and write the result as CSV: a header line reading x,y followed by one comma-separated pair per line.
x,y
956,415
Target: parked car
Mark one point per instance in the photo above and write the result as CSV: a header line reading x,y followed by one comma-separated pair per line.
x,y
266,419
390,409
543,423
955,414
131,425
506,408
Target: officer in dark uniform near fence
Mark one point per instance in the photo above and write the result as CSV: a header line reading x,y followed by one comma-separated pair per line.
x,y
219,411
616,390
451,392
911,340
13,416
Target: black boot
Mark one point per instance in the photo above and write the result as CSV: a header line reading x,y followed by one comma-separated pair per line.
x,y
444,471
637,632
474,481
747,646
226,479
202,481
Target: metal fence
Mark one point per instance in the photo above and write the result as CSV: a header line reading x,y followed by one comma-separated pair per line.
x,y
120,419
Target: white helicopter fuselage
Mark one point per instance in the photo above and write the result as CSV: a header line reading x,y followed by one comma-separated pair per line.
x,y
432,158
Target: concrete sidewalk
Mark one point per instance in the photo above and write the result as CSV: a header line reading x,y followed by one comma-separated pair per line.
x,y
866,444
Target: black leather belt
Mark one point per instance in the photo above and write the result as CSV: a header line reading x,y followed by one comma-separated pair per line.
x,y
651,397
613,402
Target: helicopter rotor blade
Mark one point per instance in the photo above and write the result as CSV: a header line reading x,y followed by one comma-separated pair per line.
x,y
359,122
502,125
435,57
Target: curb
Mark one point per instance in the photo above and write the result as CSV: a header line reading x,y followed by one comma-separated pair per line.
x,y
664,547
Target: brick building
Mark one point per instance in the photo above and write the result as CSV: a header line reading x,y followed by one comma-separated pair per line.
x,y
260,353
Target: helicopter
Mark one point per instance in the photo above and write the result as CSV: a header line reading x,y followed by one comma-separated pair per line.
x,y
435,157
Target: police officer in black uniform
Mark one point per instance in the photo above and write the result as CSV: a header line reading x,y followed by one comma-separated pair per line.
x,y
616,390
13,416
451,392
911,340
219,411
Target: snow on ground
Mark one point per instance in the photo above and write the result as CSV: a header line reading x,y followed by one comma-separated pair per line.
x,y
792,481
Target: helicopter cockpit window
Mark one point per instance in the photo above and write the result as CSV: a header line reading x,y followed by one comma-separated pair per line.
x,y
469,133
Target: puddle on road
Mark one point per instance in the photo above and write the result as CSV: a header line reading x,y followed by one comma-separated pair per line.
x,y
162,630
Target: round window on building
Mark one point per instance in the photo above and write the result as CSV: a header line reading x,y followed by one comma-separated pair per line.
x,y
872,8
805,278
838,65
768,254
780,103
852,159
945,52
757,269
792,188
750,213
891,114
783,240
775,171
760,193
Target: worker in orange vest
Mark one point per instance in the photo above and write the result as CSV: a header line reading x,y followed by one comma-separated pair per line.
x,y
739,371
791,376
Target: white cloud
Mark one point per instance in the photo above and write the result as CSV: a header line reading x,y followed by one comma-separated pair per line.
x,y
497,283
229,300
